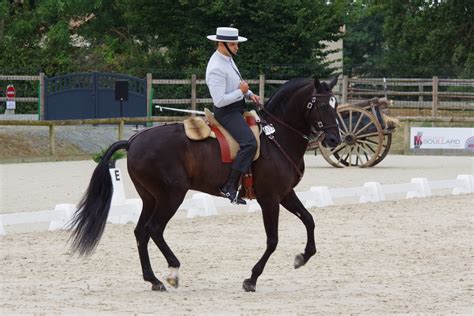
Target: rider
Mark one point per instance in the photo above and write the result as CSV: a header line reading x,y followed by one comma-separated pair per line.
x,y
228,90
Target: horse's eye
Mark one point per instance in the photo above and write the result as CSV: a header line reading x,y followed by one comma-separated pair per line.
x,y
332,102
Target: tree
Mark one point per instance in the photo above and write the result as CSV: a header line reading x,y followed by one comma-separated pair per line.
x,y
137,36
364,39
410,38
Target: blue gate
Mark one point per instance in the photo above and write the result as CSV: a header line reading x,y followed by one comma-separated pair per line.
x,y
92,95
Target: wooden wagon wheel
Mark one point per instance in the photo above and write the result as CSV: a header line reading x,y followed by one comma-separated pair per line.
x,y
362,139
387,142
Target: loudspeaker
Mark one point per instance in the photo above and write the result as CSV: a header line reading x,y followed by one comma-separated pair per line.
x,y
121,90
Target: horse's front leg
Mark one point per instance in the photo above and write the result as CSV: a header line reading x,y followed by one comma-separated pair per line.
x,y
293,204
270,212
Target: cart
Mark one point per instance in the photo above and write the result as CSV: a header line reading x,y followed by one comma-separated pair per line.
x,y
366,135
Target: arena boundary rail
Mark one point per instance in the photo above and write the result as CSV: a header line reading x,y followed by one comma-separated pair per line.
x,y
128,210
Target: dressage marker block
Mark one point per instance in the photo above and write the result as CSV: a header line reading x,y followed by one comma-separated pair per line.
x,y
67,211
118,197
254,206
316,197
373,193
466,184
422,188
200,205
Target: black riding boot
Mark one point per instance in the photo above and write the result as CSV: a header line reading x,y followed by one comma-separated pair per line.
x,y
230,189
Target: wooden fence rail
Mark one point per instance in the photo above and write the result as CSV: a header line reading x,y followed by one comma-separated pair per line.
x,y
423,93
120,122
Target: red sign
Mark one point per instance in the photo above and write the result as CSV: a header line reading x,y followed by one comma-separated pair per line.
x,y
11,92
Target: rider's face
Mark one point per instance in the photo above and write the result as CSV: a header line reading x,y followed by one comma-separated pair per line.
x,y
233,47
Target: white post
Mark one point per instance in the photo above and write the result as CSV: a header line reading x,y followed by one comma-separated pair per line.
x,y
373,193
202,205
64,218
254,207
118,198
422,188
320,197
467,184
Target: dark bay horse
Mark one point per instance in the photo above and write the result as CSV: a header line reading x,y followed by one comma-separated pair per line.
x,y
164,164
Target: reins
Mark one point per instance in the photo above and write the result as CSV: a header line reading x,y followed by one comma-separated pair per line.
x,y
271,137
262,108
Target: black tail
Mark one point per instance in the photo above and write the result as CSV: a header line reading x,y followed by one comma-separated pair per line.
x,y
89,220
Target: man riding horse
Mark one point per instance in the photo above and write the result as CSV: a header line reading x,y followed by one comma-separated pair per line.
x,y
229,91
164,164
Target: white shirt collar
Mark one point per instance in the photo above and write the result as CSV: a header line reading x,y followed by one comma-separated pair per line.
x,y
227,58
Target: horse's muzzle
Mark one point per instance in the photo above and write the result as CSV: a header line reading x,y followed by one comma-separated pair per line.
x,y
331,140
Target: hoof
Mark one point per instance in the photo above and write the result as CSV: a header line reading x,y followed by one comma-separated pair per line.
x,y
158,287
249,286
299,261
174,282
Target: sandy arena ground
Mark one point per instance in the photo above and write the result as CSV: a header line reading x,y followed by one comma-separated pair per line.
x,y
405,256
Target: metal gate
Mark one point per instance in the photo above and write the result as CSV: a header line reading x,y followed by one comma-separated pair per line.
x,y
92,95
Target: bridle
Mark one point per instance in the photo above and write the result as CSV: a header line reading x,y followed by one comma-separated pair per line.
x,y
310,106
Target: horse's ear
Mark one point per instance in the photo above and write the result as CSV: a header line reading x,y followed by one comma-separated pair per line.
x,y
317,84
332,83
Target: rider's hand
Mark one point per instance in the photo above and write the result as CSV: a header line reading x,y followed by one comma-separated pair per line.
x,y
255,99
244,87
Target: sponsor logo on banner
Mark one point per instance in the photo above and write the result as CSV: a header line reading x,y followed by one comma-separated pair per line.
x,y
469,143
442,138
418,140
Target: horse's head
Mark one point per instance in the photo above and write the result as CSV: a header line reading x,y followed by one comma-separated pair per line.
x,y
322,113
304,105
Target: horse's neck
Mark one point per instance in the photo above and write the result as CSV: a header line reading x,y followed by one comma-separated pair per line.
x,y
292,143
292,138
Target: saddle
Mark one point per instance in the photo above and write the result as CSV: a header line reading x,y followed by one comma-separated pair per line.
x,y
198,128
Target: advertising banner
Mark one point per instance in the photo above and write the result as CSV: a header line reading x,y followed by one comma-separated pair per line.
x,y
442,138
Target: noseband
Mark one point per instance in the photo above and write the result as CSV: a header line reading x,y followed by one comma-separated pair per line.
x,y
310,106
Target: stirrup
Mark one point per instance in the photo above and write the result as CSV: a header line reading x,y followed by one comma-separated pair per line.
x,y
236,200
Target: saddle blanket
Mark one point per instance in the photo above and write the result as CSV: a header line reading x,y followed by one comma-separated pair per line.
x,y
198,128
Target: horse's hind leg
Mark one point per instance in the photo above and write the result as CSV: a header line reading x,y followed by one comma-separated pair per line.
x,y
166,206
293,204
143,237
270,213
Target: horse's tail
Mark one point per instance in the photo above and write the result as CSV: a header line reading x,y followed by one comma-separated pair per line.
x,y
89,220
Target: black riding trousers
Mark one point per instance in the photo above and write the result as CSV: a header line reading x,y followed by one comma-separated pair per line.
x,y
230,117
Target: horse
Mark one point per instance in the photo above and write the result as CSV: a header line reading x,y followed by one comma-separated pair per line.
x,y
164,164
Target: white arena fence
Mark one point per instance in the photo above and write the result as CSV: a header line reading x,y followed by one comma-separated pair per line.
x,y
128,210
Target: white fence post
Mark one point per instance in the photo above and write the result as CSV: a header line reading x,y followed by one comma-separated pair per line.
x,y
468,184
118,198
202,205
320,197
422,190
61,222
254,207
372,193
